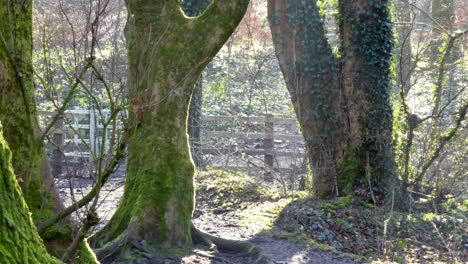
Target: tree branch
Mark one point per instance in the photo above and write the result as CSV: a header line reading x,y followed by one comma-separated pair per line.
x,y
120,152
214,27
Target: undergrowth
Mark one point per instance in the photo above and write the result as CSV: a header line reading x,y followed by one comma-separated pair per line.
x,y
348,224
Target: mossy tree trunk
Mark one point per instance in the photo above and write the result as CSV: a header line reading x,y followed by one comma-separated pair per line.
x,y
19,240
18,110
167,53
342,104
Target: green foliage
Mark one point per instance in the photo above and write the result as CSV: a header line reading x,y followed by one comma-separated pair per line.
x,y
344,202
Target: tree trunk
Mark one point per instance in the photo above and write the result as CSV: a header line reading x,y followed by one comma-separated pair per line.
x,y
367,41
195,122
443,12
18,110
19,240
404,60
311,75
405,123
343,109
167,53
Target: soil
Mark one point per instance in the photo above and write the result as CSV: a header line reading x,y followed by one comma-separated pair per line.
x,y
222,223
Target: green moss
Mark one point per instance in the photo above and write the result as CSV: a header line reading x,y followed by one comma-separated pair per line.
x,y
344,202
85,254
17,110
158,199
19,240
349,170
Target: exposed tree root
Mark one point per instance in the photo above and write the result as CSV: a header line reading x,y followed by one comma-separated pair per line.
x,y
227,245
241,248
110,248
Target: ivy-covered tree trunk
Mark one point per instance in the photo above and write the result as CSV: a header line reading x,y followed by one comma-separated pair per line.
x,y
367,42
18,110
311,75
167,53
342,104
19,240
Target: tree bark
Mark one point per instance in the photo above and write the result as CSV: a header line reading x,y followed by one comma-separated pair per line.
x,y
311,75
19,240
366,41
343,106
167,53
18,110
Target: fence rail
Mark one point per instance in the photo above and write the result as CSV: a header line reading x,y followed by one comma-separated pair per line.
x,y
67,148
271,131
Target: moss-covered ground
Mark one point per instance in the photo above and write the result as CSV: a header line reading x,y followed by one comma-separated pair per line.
x,y
347,225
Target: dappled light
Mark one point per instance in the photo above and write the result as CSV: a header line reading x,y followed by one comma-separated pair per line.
x,y
233,132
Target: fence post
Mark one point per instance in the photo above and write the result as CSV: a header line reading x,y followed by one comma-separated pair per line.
x,y
58,140
269,148
93,124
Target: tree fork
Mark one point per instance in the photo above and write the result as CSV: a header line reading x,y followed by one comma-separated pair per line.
x,y
167,53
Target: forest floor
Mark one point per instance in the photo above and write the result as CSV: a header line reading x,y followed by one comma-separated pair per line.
x,y
231,218
300,230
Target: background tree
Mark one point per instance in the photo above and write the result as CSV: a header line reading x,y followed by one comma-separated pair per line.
x,y
431,99
342,102
193,8
167,52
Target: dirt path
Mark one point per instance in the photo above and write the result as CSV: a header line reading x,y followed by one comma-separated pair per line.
x,y
244,224
232,225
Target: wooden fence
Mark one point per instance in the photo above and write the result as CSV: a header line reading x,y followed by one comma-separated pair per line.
x,y
74,137
268,139
274,144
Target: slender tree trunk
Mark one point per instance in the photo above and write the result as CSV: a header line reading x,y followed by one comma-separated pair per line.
x,y
441,64
195,122
167,53
343,109
404,29
18,110
405,123
443,13
19,240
